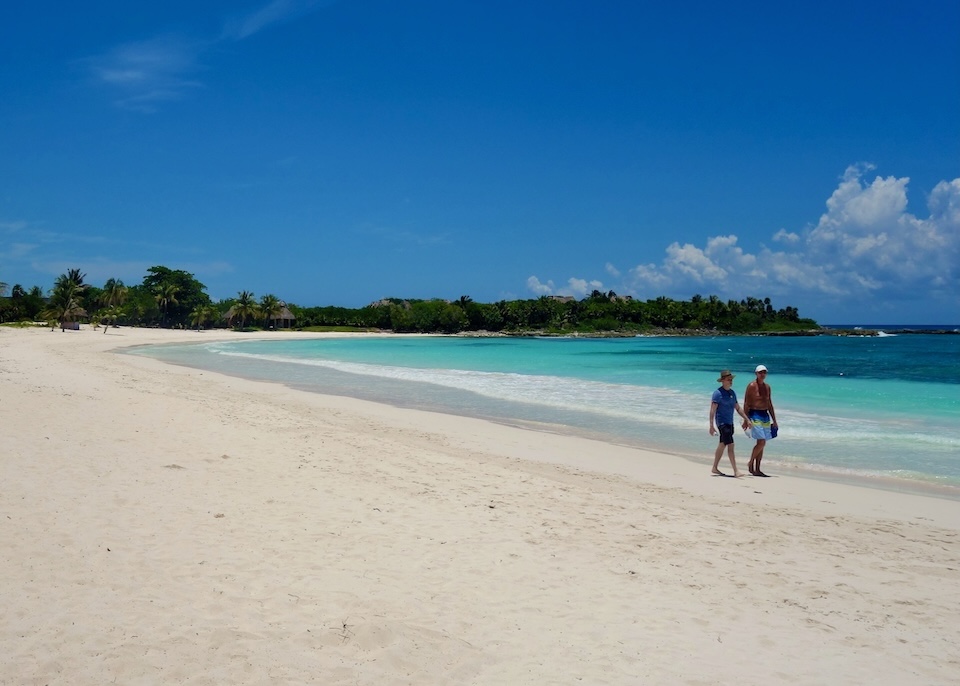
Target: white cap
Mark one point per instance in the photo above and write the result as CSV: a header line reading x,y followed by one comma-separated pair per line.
x,y
760,368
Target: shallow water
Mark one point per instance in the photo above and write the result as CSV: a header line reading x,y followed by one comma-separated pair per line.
x,y
883,406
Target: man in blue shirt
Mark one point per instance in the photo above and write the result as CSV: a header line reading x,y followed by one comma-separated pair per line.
x,y
722,405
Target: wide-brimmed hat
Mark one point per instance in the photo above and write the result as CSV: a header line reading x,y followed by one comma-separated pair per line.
x,y
760,368
725,373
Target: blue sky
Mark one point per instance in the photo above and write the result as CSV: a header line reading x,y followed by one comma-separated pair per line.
x,y
338,152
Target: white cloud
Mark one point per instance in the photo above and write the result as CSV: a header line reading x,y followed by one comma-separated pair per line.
x,y
581,287
944,203
612,270
649,274
868,240
575,287
535,286
717,265
854,206
693,263
784,236
866,243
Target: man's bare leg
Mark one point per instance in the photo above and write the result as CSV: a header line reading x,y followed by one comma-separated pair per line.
x,y
755,458
716,460
733,461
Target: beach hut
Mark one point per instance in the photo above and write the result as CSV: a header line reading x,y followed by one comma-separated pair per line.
x,y
284,319
281,320
71,320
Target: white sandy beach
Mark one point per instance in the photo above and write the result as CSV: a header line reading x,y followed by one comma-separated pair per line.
x,y
162,525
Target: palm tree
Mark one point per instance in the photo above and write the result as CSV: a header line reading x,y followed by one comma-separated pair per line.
x,y
136,311
202,314
76,277
270,308
114,293
245,307
64,301
166,295
108,315
198,316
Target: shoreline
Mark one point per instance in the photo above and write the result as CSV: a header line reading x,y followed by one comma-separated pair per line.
x,y
923,486
168,524
150,337
819,473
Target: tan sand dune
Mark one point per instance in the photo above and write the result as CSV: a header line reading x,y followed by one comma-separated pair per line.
x,y
162,525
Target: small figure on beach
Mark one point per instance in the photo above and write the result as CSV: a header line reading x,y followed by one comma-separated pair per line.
x,y
722,405
758,403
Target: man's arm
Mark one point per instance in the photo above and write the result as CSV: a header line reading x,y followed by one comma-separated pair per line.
x,y
713,415
773,414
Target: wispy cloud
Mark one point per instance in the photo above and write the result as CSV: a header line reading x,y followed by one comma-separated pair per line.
x,y
98,269
150,72
35,249
165,68
36,233
16,252
276,12
405,237
865,244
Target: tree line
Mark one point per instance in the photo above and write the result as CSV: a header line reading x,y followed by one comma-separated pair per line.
x,y
172,298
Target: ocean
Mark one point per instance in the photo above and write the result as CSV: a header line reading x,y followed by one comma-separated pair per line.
x,y
882,408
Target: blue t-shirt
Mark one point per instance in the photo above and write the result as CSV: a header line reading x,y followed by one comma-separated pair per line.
x,y
725,400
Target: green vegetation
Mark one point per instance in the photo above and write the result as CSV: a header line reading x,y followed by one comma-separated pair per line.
x,y
65,304
174,298
22,305
600,313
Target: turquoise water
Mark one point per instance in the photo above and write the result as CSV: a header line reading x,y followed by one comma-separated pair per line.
x,y
884,406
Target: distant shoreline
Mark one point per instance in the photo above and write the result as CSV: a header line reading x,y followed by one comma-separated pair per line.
x,y
877,329
823,331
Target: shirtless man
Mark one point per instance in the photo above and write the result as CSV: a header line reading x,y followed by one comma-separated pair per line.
x,y
758,404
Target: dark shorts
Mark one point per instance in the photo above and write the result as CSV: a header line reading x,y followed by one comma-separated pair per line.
x,y
726,433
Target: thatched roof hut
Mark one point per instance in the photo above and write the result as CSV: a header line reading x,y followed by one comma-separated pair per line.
x,y
282,320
